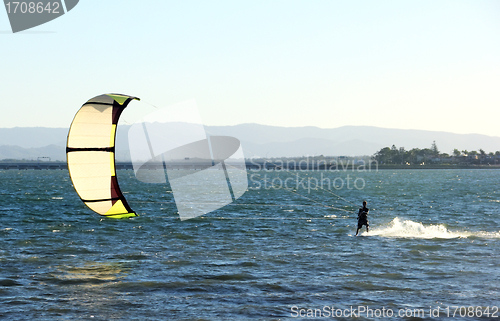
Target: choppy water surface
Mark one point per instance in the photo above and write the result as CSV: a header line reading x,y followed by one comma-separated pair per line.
x,y
434,242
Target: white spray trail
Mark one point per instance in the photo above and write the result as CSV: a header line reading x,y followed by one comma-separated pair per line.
x,y
409,229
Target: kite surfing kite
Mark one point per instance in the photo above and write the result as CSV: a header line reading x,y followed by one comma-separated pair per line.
x,y
204,172
90,153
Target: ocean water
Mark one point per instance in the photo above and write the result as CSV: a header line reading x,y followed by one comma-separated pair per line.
x,y
275,254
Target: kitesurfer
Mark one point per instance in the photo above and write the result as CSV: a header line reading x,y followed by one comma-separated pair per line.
x,y
363,218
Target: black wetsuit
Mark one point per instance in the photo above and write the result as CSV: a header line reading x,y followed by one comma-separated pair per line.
x,y
363,217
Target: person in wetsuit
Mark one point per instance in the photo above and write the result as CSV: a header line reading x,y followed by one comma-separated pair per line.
x,y
363,218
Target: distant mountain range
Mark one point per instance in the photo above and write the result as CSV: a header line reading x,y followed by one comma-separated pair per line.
x,y
262,140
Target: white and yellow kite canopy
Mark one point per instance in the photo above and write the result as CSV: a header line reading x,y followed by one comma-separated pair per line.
x,y
90,154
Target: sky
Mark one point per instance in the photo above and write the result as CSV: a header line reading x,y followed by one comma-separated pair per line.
x,y
430,65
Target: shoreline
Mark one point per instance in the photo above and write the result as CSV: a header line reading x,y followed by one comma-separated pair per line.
x,y
438,166
254,166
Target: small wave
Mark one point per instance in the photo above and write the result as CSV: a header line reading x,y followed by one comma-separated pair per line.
x,y
410,229
9,282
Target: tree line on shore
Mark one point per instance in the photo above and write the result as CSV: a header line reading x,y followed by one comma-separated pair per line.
x,y
432,155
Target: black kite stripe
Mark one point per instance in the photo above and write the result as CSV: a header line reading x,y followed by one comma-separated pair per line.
x,y
90,149
102,200
97,103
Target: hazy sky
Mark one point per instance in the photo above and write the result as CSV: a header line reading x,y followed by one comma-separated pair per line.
x,y
432,65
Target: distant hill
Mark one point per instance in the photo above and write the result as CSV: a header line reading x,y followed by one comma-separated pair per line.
x,y
33,137
275,141
54,152
262,140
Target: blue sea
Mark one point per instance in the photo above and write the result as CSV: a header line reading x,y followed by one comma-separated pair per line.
x,y
277,253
